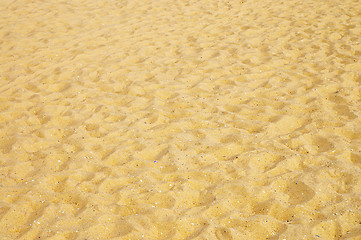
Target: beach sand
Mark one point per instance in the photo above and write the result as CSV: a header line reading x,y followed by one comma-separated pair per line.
x,y
170,119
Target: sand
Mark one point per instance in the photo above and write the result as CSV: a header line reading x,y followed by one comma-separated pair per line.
x,y
170,119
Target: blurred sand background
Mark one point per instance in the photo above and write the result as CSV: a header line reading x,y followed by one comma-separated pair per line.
x,y
176,119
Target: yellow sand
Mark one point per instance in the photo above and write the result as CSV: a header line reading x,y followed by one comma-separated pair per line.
x,y
180,119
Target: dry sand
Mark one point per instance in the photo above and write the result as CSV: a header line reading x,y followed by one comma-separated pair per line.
x,y
177,119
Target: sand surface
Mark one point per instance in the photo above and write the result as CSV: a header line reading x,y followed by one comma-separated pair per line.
x,y
180,119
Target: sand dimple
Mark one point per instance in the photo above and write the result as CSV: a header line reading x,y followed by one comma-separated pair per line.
x,y
180,119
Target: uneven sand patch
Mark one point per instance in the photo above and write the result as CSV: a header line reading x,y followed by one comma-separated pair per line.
x,y
175,119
